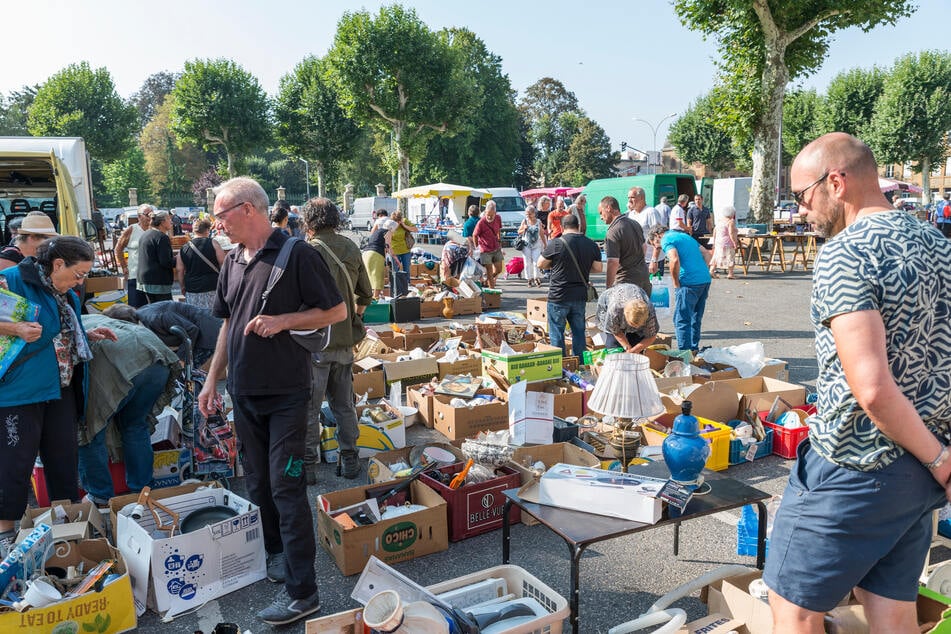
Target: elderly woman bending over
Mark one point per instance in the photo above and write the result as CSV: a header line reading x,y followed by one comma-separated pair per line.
x,y
627,318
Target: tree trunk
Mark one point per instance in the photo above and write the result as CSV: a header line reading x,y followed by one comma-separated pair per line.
x,y
766,136
230,161
402,176
320,178
925,181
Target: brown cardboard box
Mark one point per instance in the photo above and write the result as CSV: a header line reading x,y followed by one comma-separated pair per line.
x,y
422,402
464,422
470,365
568,401
731,597
391,541
425,337
536,312
560,452
775,369
378,465
758,392
95,285
428,310
371,383
370,347
467,305
410,372
714,624
82,521
491,301
720,372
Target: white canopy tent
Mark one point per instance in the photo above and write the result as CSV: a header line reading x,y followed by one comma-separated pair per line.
x,y
429,204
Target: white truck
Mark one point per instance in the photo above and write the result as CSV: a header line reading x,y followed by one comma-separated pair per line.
x,y
49,174
509,205
361,218
734,192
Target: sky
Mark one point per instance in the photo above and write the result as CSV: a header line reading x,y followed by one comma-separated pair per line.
x,y
623,60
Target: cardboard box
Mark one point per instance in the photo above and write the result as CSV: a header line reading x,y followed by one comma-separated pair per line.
x,y
524,457
107,612
423,338
531,362
568,398
180,573
371,383
423,402
456,423
82,521
467,305
758,393
384,436
536,311
391,541
470,365
105,284
624,495
731,597
718,372
714,624
117,503
378,465
428,310
475,508
531,415
409,372
491,301
775,369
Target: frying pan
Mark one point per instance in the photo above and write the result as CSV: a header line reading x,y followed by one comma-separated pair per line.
x,y
203,517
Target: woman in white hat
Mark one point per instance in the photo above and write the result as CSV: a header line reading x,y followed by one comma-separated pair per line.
x,y
35,228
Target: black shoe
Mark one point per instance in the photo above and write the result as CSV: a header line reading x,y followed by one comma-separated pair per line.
x,y
284,609
275,568
310,476
349,466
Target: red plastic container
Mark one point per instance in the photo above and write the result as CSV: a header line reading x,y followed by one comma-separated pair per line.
x,y
786,441
476,508
116,470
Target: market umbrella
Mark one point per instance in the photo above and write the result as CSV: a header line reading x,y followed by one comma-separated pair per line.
x,y
440,190
888,185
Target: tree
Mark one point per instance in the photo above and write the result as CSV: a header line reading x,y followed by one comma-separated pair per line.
x,y
208,179
763,45
172,165
913,116
394,73
486,147
13,111
802,121
699,139
551,112
589,154
152,94
80,101
850,100
216,103
125,172
363,168
310,122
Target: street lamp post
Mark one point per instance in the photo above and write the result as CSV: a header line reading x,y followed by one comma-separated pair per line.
x,y
306,175
654,130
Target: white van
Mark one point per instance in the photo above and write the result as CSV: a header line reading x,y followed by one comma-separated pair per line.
x,y
510,206
362,215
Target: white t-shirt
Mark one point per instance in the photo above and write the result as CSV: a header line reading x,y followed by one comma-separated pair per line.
x,y
648,218
677,213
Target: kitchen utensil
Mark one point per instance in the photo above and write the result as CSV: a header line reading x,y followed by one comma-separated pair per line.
x,y
460,478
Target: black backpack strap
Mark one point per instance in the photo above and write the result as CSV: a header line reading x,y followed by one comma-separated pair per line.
x,y
280,264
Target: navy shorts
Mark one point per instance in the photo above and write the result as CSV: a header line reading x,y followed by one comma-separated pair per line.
x,y
839,528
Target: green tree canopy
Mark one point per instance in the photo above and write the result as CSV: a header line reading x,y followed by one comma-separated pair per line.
x,y
551,113
80,101
310,123
123,173
394,73
13,111
913,116
218,103
850,100
699,139
486,147
172,165
152,94
802,121
763,45
589,154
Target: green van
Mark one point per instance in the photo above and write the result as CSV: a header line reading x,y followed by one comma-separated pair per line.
x,y
654,185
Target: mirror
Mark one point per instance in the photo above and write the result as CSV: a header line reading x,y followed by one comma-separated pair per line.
x,y
90,231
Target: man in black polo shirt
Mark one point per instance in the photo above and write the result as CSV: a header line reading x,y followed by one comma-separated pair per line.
x,y
269,378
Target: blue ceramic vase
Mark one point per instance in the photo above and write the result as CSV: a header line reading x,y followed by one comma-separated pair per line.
x,y
685,450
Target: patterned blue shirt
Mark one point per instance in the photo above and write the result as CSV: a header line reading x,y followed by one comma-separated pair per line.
x,y
885,262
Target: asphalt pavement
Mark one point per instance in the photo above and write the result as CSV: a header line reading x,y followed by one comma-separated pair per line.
x,y
620,579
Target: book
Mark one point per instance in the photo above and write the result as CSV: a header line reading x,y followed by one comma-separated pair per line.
x,y
14,308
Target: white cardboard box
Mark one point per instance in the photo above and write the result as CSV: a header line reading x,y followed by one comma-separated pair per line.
x,y
531,415
181,573
624,495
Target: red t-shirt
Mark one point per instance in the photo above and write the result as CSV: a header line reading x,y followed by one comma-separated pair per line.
x,y
487,234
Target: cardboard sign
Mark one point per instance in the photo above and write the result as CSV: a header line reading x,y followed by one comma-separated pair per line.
x,y
531,415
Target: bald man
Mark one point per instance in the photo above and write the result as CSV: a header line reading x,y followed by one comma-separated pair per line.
x,y
856,513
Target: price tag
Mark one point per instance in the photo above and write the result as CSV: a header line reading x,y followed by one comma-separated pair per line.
x,y
675,494
751,452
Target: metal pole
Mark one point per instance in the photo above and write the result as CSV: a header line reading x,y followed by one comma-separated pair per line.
x,y
654,131
306,176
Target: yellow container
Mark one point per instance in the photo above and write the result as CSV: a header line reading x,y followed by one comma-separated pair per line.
x,y
719,439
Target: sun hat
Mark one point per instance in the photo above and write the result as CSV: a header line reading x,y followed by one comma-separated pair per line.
x,y
39,224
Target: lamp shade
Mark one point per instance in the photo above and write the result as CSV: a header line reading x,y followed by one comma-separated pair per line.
x,y
625,388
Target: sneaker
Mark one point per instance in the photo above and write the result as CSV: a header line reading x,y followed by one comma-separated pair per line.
x,y
349,466
284,609
275,568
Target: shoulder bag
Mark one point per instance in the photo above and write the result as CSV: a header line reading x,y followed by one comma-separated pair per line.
x,y
356,322
211,265
314,340
592,291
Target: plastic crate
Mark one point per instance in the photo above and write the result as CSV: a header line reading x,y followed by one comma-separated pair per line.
x,y
377,314
406,309
785,440
519,582
116,471
746,532
738,450
476,508
719,440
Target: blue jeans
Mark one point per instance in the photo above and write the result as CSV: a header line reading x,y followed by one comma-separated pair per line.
x,y
131,419
689,303
571,313
405,260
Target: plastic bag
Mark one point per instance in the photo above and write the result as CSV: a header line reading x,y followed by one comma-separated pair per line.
x,y
472,270
662,295
747,358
